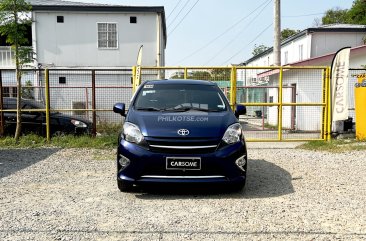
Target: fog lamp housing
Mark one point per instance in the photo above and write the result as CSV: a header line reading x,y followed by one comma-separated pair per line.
x,y
123,161
240,162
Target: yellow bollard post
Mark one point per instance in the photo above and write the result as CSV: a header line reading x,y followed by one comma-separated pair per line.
x,y
233,88
133,79
360,107
47,92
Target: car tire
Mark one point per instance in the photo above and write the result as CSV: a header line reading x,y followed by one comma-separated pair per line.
x,y
124,186
238,187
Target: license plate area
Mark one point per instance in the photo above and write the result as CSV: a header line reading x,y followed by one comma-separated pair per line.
x,y
183,163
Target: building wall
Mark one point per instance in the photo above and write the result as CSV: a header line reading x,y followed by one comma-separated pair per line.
x,y
325,43
308,90
293,53
74,42
293,50
358,59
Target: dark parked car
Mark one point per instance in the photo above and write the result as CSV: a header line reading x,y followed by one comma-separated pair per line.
x,y
35,121
181,131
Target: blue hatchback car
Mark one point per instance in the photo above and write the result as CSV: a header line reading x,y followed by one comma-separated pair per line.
x,y
180,131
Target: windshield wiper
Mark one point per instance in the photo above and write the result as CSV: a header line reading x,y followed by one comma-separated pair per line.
x,y
187,108
148,109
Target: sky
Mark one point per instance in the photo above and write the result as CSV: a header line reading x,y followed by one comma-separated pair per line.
x,y
220,33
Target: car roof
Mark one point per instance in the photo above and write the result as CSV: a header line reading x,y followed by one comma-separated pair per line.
x,y
23,100
180,82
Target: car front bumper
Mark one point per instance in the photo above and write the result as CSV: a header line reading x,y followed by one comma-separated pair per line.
x,y
146,166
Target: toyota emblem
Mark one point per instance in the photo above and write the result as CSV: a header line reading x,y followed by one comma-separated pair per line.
x,y
183,132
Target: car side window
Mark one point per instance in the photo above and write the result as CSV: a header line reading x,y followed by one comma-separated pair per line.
x,y
11,106
28,106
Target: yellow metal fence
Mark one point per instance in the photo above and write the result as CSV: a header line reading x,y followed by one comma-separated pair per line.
x,y
283,103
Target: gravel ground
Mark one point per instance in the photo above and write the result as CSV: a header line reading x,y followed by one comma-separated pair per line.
x,y
291,194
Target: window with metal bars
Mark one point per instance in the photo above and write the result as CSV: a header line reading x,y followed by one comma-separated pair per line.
x,y
107,36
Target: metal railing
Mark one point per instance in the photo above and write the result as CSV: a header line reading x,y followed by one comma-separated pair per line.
x,y
294,105
283,103
86,93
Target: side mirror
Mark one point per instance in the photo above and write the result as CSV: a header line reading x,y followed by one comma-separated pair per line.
x,y
240,110
119,108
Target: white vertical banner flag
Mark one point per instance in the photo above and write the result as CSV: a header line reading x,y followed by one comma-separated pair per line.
x,y
139,56
138,69
339,83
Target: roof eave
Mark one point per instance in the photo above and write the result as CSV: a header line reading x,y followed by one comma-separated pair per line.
x,y
97,8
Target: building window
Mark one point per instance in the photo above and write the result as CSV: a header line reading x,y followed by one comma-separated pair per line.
x,y
10,91
60,19
133,19
286,57
301,52
15,91
6,92
62,80
107,35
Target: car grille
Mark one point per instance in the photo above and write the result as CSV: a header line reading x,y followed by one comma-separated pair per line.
x,y
179,146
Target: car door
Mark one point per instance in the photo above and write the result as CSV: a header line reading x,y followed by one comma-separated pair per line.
x,y
10,118
32,121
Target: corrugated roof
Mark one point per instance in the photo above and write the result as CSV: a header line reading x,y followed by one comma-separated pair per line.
x,y
60,5
63,3
338,25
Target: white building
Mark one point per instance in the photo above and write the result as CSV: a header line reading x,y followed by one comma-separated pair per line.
x,y
313,42
72,35
311,47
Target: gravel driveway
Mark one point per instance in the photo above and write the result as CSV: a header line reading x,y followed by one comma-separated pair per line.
x,y
71,194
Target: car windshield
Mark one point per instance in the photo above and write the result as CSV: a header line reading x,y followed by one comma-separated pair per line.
x,y
180,97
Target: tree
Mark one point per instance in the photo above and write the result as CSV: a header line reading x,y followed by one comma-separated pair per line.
x,y
27,91
14,18
285,33
220,74
202,75
357,13
259,49
335,15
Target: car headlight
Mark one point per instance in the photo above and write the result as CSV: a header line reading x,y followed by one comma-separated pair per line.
x,y
78,123
232,134
132,133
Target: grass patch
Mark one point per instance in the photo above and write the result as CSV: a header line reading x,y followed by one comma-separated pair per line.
x,y
68,141
335,146
105,128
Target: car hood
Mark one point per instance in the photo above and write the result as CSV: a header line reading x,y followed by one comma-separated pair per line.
x,y
166,124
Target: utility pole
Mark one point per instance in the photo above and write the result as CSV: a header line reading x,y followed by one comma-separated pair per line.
x,y
277,34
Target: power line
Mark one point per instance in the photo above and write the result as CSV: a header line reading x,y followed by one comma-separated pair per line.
x,y
174,9
176,16
305,15
184,17
237,35
223,33
248,44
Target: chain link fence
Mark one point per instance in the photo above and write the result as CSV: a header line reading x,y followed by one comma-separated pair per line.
x,y
283,104
87,94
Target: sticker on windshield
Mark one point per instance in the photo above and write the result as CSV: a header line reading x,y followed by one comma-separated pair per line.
x,y
148,86
148,92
